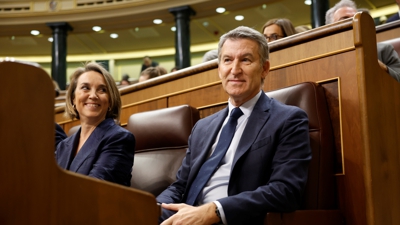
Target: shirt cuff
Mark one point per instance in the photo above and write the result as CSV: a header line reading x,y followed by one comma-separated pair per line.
x,y
221,212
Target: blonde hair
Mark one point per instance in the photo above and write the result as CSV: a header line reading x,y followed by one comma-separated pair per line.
x,y
112,90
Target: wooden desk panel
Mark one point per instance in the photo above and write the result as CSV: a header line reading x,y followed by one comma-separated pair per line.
x,y
34,190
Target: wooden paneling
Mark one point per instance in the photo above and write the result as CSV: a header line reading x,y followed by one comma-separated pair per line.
x,y
388,31
34,190
146,106
200,97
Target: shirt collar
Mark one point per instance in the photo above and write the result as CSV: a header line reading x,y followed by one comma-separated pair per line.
x,y
246,107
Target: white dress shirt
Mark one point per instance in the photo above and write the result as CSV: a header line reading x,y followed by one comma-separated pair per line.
x,y
217,186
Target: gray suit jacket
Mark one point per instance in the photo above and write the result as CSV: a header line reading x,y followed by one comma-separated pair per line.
x,y
390,58
269,169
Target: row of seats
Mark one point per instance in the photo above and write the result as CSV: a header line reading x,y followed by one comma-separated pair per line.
x,y
162,139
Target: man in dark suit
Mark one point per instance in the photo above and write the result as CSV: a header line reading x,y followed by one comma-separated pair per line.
x,y
388,58
148,62
395,16
265,166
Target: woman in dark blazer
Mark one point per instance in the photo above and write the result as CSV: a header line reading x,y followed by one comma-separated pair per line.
x,y
100,148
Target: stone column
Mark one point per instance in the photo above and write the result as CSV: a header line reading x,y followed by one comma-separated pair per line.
x,y
59,52
182,35
318,10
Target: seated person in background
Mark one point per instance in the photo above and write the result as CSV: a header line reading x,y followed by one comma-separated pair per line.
x,y
100,148
388,58
175,68
395,16
147,62
60,134
275,29
248,159
302,28
210,55
149,73
125,80
56,88
162,70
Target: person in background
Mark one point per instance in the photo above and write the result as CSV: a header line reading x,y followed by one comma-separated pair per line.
x,y
395,16
60,134
175,68
388,58
302,28
149,73
148,62
162,70
248,159
125,80
56,88
210,55
100,148
275,29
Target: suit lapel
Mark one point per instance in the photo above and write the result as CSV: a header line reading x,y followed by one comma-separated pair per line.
x,y
208,139
90,145
67,154
257,121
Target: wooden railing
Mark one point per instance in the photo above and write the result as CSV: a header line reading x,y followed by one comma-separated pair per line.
x,y
34,190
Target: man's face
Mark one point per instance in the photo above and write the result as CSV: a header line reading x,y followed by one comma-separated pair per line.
x,y
147,61
240,70
344,13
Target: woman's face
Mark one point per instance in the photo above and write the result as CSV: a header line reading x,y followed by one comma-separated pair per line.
x,y
273,32
92,98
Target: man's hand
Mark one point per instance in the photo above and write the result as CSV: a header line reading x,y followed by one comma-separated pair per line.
x,y
186,214
383,66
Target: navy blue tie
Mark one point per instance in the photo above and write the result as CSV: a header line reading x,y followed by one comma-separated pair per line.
x,y
209,167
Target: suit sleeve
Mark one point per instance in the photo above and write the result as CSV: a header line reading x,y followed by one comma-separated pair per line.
x,y
60,134
391,59
115,160
289,171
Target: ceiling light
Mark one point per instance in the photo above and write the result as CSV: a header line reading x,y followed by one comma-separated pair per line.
x,y
50,39
136,29
12,38
205,24
307,2
220,10
264,6
157,21
239,17
114,35
173,29
35,32
96,28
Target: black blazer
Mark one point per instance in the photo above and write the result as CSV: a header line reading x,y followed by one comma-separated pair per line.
x,y
270,166
107,154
